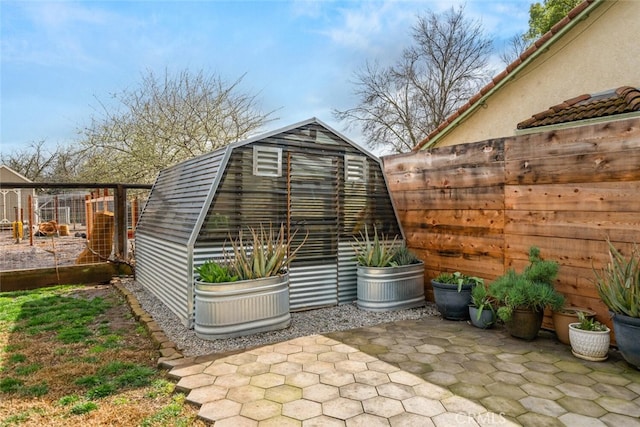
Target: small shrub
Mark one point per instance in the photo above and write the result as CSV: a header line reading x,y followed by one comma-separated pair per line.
x,y
83,408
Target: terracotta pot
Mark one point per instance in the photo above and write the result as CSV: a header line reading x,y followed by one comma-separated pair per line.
x,y
566,315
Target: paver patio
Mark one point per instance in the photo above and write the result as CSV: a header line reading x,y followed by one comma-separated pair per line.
x,y
428,372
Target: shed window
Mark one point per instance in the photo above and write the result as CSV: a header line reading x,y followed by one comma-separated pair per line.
x,y
267,161
355,168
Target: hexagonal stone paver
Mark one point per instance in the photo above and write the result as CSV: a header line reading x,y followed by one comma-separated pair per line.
x,y
542,367
371,377
441,378
286,368
540,390
283,393
240,359
508,378
358,391
332,356
206,394
183,371
449,419
279,421
267,380
395,391
367,420
302,379
337,378
220,369
461,405
407,419
509,391
503,405
380,366
237,421
272,358
261,409
585,407
318,367
612,419
393,357
619,406
323,421
615,391
572,366
478,366
431,391
316,348
382,406
302,357
541,378
194,381
430,349
539,420
542,406
232,380
342,408
343,348
575,390
580,420
253,368
286,348
350,366
608,378
302,409
246,393
513,358
423,406
320,392
470,391
571,377
405,378
514,368
219,409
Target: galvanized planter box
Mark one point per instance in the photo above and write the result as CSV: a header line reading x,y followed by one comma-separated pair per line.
x,y
390,288
225,310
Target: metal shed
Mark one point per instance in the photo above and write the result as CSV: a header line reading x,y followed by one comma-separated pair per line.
x,y
306,176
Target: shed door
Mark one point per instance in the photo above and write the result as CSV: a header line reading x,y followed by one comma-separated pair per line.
x,y
313,207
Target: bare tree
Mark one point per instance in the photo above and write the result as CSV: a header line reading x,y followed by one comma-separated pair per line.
x,y
164,121
515,47
39,163
402,104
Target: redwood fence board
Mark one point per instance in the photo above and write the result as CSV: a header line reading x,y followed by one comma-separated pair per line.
x,y
479,207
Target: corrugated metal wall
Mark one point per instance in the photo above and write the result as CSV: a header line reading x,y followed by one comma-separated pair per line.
x,y
166,272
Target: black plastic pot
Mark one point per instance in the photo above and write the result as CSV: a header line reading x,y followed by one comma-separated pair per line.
x,y
627,330
453,305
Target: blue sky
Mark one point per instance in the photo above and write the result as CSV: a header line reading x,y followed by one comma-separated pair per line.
x,y
59,58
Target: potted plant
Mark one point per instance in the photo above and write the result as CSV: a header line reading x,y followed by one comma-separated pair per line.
x,y
389,275
522,297
589,339
248,290
618,285
566,315
481,310
452,294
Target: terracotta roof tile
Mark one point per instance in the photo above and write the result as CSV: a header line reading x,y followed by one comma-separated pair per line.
x,y
510,68
625,99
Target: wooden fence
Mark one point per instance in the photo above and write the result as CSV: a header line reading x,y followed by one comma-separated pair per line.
x,y
478,207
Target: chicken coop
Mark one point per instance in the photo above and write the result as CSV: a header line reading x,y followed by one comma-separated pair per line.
x,y
305,176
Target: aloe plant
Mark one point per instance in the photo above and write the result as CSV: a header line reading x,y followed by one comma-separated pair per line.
x,y
618,283
264,254
376,250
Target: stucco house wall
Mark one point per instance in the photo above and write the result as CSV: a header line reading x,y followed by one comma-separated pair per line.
x,y
598,53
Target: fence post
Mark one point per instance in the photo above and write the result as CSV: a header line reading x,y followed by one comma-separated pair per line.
x,y
120,208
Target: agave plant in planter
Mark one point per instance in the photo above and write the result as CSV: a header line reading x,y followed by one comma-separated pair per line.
x,y
589,338
522,297
481,309
452,294
618,285
389,275
248,291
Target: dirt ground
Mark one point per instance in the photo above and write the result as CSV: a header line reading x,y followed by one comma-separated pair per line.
x,y
45,251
